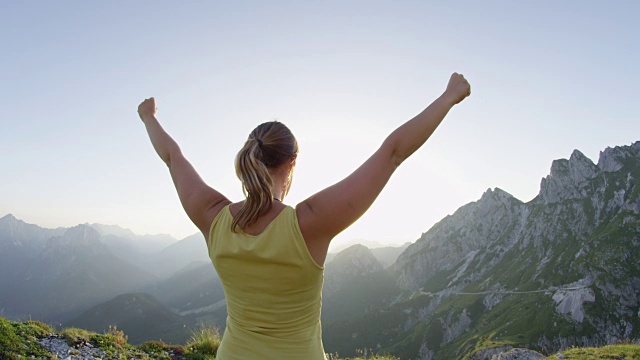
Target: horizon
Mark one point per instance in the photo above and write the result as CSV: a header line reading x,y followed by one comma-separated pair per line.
x,y
546,79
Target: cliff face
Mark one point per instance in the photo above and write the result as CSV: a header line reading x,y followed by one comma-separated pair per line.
x,y
574,249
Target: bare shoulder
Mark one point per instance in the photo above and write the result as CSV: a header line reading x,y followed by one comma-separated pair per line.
x,y
317,245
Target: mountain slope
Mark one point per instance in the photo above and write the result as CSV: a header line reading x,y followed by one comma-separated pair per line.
x,y
140,316
355,281
388,255
180,254
19,243
73,272
558,271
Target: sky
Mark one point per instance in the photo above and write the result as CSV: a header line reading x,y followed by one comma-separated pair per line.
x,y
547,77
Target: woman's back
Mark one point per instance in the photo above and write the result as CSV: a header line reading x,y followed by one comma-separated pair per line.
x,y
273,289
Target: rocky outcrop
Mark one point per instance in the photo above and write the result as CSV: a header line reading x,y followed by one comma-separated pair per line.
x,y
518,354
568,178
613,159
572,301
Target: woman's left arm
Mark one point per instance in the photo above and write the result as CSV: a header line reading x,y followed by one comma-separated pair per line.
x,y
201,202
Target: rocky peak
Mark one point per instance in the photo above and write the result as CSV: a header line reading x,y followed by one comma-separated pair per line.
x,y
9,224
112,230
16,232
82,233
566,177
10,229
611,159
497,195
81,239
8,218
581,168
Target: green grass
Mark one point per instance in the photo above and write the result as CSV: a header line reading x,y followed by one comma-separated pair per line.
x,y
618,352
360,355
204,343
19,339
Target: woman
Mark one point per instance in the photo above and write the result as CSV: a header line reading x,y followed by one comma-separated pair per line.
x,y
268,255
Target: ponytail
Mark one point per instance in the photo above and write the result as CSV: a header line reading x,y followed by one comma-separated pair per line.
x,y
268,146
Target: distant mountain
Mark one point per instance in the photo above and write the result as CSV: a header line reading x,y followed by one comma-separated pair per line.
x,y
145,244
352,262
387,255
71,273
136,249
19,233
52,274
180,254
140,316
342,245
558,271
195,288
354,282
20,242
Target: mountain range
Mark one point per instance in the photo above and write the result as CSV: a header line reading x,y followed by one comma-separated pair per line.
x,y
560,270
78,276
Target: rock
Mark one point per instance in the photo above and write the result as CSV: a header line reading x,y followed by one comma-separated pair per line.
x,y
58,346
567,178
611,159
560,356
488,354
570,301
518,354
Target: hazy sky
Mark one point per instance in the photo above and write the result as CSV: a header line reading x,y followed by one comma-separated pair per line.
x,y
547,77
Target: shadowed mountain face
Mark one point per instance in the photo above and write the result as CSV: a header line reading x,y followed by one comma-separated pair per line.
x,y
354,282
54,274
192,290
71,273
140,316
19,243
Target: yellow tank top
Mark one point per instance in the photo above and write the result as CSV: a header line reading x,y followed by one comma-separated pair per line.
x,y
273,289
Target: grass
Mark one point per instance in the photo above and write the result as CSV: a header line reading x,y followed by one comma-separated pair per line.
x,y
618,352
19,339
361,354
204,343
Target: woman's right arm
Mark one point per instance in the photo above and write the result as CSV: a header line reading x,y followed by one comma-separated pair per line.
x,y
329,212
201,202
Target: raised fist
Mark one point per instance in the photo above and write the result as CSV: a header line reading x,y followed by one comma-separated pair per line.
x,y
147,108
458,88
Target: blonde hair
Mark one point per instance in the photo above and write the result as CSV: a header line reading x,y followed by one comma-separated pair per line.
x,y
269,145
